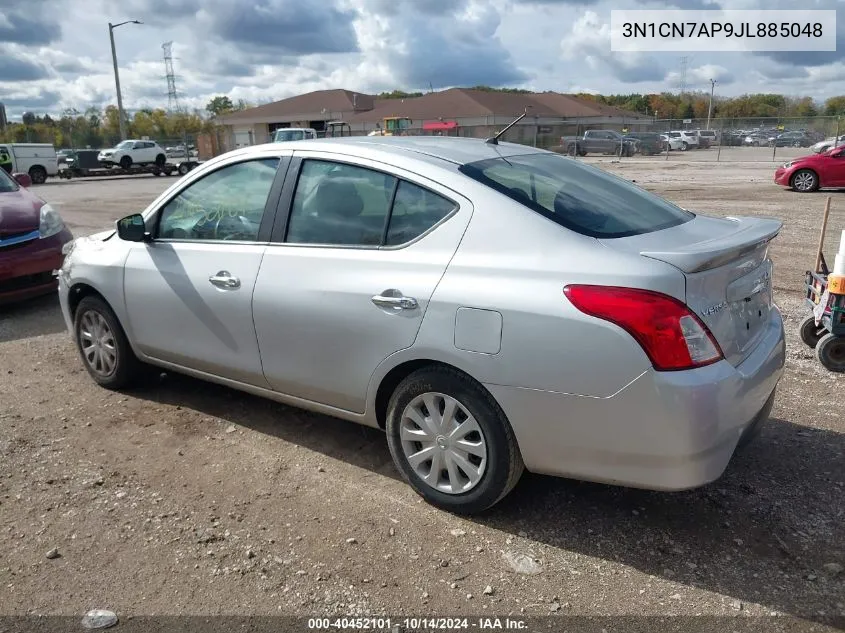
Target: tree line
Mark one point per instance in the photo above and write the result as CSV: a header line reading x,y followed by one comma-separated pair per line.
x,y
97,128
695,105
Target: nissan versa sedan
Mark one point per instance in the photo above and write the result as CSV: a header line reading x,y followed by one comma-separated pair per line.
x,y
32,235
492,306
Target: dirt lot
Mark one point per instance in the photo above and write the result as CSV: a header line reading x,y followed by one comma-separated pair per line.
x,y
187,498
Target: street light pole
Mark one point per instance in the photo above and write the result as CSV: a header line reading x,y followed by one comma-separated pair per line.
x,y
710,105
120,116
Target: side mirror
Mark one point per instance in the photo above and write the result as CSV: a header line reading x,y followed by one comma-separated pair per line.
x,y
132,228
23,180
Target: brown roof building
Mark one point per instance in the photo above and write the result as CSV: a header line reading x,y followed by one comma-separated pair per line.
x,y
473,113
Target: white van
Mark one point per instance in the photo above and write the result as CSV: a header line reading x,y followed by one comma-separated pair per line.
x,y
293,134
39,160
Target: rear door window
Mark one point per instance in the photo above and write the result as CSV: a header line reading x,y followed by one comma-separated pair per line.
x,y
577,196
348,205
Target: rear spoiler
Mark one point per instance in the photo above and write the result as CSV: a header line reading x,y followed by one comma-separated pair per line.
x,y
751,234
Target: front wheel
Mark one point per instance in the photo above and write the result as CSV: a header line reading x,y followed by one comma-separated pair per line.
x,y
805,181
160,159
103,345
809,332
684,146
830,352
451,441
183,169
126,162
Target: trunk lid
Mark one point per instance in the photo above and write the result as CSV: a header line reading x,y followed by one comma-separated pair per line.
x,y
727,270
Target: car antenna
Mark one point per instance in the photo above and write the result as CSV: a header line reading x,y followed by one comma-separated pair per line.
x,y
494,140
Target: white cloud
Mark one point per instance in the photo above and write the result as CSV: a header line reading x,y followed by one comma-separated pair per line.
x,y
540,44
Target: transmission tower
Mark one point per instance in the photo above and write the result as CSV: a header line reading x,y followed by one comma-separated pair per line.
x,y
172,95
682,88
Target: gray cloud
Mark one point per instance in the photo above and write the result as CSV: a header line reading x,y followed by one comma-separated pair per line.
x,y
158,12
28,22
448,52
688,5
47,99
286,26
16,69
558,2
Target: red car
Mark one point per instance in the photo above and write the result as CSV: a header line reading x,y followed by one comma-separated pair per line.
x,y
32,235
809,173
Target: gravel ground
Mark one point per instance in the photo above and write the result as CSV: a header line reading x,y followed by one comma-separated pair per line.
x,y
189,498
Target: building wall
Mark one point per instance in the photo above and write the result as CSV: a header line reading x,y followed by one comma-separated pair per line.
x,y
553,129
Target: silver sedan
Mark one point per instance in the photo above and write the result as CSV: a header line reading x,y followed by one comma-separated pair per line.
x,y
492,306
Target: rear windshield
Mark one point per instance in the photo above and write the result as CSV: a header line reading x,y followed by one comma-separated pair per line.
x,y
289,135
577,196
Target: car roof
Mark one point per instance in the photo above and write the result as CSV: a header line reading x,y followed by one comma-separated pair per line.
x,y
459,151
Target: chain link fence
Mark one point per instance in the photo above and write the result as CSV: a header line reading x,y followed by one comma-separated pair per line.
x,y
752,139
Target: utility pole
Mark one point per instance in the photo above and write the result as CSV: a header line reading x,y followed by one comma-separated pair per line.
x,y
710,105
120,116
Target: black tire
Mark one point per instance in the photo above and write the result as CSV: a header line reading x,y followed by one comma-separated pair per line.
x,y
156,170
125,162
684,146
804,181
809,332
183,169
127,368
582,152
504,464
830,352
160,159
38,175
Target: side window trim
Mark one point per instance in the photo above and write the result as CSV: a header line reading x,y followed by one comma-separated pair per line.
x,y
390,207
266,226
285,205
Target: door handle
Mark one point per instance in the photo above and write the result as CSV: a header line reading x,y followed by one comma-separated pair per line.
x,y
395,302
224,280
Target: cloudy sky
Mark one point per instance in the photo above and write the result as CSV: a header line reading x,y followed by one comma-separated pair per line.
x,y
52,57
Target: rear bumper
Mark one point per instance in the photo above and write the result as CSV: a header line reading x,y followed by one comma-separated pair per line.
x,y
663,431
26,270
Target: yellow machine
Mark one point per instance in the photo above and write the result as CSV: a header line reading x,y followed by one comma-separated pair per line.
x,y
393,126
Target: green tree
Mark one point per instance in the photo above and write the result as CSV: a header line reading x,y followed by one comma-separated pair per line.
x,y
835,106
220,104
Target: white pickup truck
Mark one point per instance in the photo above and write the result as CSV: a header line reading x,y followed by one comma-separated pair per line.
x,y
36,159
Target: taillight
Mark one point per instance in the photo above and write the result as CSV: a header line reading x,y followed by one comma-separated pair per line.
x,y
671,335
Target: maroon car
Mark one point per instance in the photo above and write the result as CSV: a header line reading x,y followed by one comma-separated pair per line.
x,y
32,235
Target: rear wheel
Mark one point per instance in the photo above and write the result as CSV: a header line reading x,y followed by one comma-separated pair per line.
x,y
684,146
103,345
830,352
809,332
126,162
451,441
805,181
38,175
